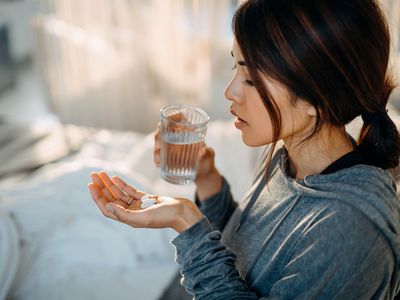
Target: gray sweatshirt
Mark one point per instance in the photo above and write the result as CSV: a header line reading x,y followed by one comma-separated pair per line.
x,y
334,236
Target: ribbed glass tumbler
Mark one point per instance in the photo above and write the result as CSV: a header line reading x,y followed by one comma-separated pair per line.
x,y
182,132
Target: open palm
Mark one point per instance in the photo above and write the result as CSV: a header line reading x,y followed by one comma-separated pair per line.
x,y
121,202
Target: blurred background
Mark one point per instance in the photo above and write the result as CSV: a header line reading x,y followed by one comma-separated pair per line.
x,y
81,86
113,64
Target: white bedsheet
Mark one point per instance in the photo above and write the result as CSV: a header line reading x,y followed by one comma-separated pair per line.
x,y
68,250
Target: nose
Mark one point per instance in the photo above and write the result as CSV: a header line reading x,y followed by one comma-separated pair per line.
x,y
232,92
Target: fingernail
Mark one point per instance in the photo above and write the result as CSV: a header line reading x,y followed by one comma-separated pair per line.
x,y
110,208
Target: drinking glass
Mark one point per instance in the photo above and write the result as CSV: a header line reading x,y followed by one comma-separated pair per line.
x,y
182,132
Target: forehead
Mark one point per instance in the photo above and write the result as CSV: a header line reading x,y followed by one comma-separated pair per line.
x,y
236,50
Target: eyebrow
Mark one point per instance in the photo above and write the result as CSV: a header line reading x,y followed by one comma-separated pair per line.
x,y
240,62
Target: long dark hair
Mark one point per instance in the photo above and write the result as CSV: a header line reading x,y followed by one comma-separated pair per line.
x,y
333,54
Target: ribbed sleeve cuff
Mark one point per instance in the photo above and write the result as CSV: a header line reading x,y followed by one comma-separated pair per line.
x,y
191,239
212,205
192,233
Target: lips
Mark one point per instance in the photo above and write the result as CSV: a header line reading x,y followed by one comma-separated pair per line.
x,y
239,123
235,114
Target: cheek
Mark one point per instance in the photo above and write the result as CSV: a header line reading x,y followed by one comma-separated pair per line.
x,y
295,123
259,132
288,122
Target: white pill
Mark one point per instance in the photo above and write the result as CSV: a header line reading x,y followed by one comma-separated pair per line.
x,y
148,200
147,203
146,206
165,199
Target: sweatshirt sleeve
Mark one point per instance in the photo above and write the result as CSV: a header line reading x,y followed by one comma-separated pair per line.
x,y
208,268
219,207
329,261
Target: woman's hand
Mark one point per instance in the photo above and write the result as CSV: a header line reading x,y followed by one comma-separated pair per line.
x,y
121,202
208,180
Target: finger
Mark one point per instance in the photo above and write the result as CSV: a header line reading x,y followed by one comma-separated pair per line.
x,y
110,198
157,147
115,190
156,155
135,205
107,194
203,146
157,160
104,190
128,189
96,180
206,153
177,117
121,214
201,153
157,132
99,200
178,123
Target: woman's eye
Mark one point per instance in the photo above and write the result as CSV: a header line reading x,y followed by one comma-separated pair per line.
x,y
248,82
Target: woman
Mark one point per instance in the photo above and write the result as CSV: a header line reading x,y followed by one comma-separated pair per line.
x,y
322,217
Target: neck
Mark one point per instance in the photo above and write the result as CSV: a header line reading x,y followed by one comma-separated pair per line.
x,y
316,154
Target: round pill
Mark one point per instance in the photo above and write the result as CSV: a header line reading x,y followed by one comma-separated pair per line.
x,y
165,199
148,200
146,206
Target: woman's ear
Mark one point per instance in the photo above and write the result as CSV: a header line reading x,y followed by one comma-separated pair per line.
x,y
311,110
306,107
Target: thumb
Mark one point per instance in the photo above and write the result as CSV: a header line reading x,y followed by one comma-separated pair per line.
x,y
207,153
118,211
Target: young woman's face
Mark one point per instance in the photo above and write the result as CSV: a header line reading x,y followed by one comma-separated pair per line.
x,y
252,117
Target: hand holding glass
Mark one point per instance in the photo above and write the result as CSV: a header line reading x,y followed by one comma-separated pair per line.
x,y
182,132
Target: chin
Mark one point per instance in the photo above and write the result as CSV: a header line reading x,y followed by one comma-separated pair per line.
x,y
254,141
